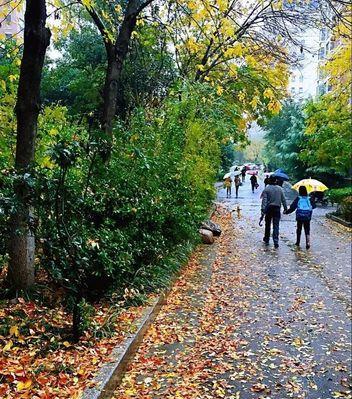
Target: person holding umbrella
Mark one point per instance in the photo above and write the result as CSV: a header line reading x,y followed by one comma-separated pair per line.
x,y
280,177
272,199
303,205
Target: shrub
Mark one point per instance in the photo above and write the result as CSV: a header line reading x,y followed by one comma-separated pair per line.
x,y
337,195
346,208
104,227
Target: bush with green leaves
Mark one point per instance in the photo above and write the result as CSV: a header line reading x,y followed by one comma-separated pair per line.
x,y
104,226
110,224
339,194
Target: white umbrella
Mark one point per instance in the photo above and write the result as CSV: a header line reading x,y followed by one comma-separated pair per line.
x,y
227,176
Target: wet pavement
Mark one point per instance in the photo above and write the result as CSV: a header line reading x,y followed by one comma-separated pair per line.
x,y
250,321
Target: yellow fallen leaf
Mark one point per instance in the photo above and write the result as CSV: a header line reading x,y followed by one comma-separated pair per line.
x,y
14,331
8,346
67,344
130,392
24,385
297,342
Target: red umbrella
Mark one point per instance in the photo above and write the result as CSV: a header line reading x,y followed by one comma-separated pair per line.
x,y
252,172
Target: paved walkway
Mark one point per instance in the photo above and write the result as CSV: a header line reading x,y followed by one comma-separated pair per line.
x,y
249,321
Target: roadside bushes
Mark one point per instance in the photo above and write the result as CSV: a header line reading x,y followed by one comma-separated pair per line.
x,y
346,208
104,227
339,194
343,198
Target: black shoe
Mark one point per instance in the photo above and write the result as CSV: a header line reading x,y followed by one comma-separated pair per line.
x,y
307,246
297,244
266,242
276,245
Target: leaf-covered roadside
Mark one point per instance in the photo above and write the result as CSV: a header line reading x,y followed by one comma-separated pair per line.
x,y
259,324
36,359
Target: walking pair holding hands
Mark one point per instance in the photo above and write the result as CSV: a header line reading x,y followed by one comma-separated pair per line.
x,y
272,199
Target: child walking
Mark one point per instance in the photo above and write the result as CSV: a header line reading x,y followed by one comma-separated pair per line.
x,y
303,206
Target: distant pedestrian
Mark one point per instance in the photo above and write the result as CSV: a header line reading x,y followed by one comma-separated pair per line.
x,y
303,205
237,184
228,184
243,173
254,182
266,180
272,199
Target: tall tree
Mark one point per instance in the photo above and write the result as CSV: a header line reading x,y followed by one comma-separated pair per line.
x,y
36,41
115,26
284,136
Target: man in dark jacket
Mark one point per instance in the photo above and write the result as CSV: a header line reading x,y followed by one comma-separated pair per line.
x,y
254,182
272,199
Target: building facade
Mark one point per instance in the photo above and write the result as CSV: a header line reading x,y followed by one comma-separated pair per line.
x,y
303,77
11,24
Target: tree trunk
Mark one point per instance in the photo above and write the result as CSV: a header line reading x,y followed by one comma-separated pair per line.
x,y
116,54
112,78
36,41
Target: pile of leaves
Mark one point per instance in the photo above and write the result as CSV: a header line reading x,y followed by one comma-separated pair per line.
x,y
37,360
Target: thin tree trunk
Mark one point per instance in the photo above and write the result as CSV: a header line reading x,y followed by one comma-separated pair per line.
x,y
36,41
116,54
112,78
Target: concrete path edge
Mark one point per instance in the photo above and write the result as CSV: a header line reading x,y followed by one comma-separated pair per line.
x,y
110,375
338,220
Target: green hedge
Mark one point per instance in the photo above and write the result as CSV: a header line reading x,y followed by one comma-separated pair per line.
x,y
346,208
339,194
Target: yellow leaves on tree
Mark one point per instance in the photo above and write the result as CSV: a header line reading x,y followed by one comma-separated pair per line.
x,y
234,51
274,106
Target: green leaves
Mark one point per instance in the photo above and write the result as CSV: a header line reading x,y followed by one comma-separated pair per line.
x,y
285,138
328,131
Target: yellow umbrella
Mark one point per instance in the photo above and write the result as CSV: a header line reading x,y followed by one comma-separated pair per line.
x,y
311,185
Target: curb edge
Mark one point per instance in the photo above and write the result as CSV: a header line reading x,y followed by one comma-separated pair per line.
x,y
111,373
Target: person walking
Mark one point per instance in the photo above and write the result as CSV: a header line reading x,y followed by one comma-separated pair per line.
x,y
272,199
303,205
228,184
266,180
254,182
243,173
237,184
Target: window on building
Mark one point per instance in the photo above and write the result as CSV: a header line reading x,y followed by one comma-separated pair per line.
x,y
323,34
300,90
321,53
301,79
293,90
